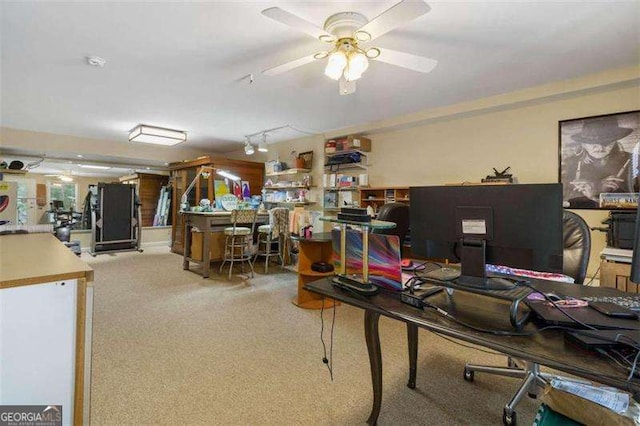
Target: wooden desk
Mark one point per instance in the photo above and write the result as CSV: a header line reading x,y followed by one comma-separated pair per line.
x,y
547,348
208,223
46,295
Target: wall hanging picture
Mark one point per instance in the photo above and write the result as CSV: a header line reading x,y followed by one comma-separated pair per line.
x,y
598,159
307,159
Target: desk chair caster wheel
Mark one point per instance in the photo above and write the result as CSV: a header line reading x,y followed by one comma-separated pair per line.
x,y
468,375
509,419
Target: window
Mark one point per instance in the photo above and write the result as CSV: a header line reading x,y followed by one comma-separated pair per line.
x,y
65,192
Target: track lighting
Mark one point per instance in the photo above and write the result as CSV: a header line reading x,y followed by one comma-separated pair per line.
x,y
248,147
262,147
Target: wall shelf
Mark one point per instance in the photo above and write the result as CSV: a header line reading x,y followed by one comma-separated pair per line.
x,y
284,188
288,172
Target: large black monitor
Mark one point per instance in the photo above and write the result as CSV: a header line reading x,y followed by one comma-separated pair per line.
x,y
513,225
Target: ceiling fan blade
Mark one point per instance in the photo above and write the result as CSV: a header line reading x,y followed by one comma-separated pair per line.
x,y
407,60
298,23
290,65
396,15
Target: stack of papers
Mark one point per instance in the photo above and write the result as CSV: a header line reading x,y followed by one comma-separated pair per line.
x,y
610,398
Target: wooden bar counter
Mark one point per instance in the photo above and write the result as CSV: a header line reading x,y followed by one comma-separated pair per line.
x,y
46,304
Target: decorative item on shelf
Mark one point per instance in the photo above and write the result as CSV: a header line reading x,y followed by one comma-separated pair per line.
x,y
353,143
277,166
612,200
296,162
269,167
307,159
269,182
306,181
330,147
499,177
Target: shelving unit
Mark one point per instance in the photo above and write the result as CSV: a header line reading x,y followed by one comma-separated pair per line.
x,y
315,249
278,193
288,172
377,196
353,175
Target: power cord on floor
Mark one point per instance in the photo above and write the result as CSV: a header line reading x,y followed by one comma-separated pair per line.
x,y
327,361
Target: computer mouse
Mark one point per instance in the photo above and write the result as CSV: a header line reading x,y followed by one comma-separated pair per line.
x,y
406,263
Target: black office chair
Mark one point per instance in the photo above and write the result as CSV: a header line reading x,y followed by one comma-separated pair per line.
x,y
575,259
397,213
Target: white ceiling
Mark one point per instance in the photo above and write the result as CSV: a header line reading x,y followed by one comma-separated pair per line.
x,y
180,65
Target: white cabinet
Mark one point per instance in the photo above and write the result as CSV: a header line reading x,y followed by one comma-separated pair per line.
x,y
37,345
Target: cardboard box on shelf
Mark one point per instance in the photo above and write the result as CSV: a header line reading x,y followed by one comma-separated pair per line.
x,y
353,142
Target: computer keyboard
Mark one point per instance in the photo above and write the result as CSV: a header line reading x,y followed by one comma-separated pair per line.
x,y
629,302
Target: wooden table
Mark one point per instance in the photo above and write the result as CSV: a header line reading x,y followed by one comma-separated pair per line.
x,y
208,223
46,300
547,348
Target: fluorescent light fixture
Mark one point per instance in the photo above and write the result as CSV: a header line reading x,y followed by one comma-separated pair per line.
x,y
262,147
93,166
228,175
156,135
65,178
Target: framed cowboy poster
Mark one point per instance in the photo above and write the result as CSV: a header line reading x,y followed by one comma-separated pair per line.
x,y
599,161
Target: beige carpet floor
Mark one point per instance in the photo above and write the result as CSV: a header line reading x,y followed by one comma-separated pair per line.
x,y
172,348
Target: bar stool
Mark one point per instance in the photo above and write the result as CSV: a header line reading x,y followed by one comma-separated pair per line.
x,y
265,246
237,246
276,231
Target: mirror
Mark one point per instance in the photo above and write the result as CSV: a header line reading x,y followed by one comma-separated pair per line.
x,y
55,190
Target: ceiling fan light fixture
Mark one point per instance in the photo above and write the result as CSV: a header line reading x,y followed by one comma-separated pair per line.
x,y
358,64
327,38
346,87
336,65
262,146
373,53
362,36
65,178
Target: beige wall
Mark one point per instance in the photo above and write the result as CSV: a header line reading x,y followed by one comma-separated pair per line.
x,y
464,142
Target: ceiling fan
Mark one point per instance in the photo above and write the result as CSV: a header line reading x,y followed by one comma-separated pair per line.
x,y
347,32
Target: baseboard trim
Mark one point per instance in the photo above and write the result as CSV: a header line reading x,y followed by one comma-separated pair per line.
x,y
143,245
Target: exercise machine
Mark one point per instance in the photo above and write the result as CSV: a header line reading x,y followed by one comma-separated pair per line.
x,y
115,218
